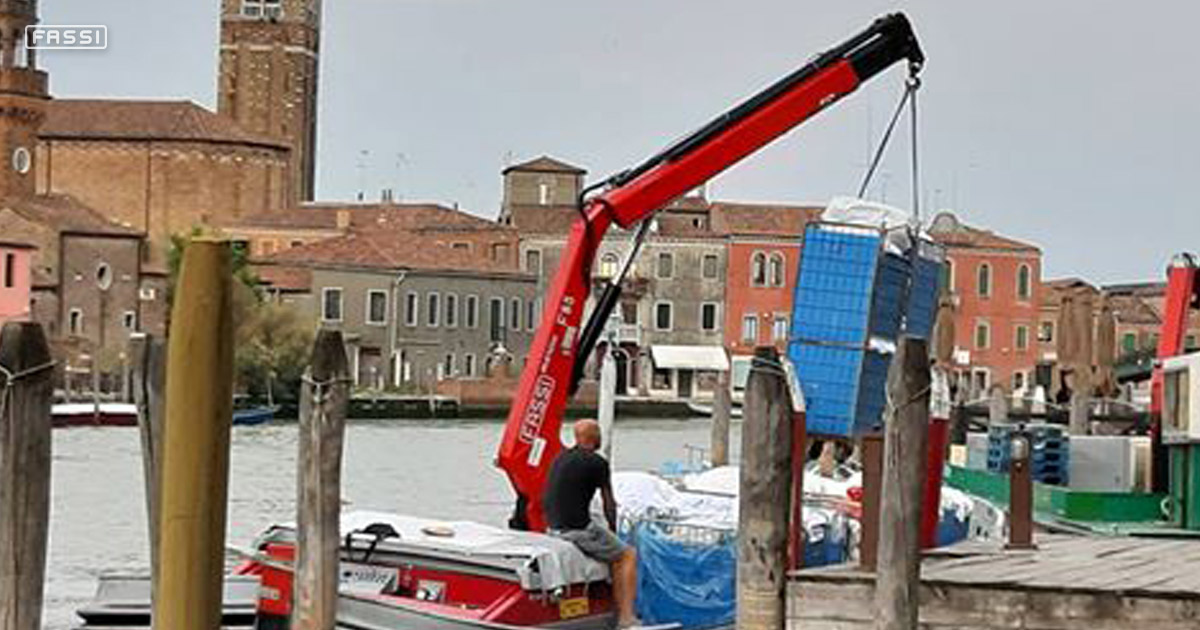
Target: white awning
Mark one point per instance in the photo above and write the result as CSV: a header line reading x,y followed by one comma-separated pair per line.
x,y
689,358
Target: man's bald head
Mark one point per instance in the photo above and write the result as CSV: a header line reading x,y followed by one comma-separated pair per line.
x,y
587,434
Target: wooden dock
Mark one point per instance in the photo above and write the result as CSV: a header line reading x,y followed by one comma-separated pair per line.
x,y
1068,583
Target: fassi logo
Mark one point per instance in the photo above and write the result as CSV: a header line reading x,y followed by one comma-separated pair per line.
x,y
531,425
82,37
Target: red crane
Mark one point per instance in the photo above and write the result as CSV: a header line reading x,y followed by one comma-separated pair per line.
x,y
1183,294
560,347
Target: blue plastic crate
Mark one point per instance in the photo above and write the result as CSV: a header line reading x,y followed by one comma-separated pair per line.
x,y
850,289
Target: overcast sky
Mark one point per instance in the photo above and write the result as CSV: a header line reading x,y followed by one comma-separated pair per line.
x,y
1070,124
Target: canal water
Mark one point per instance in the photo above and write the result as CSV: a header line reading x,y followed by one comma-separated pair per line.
x,y
434,469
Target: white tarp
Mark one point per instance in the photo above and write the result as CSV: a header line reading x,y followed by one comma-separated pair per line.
x,y
894,221
689,357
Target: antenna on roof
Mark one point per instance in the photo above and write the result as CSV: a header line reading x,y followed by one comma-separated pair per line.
x,y
363,154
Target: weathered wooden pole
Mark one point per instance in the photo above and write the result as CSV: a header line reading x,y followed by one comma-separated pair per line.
x,y
606,400
323,403
195,454
764,496
148,376
24,474
1020,492
718,451
872,463
906,426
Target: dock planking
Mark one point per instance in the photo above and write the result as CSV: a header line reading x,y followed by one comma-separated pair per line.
x,y
1068,583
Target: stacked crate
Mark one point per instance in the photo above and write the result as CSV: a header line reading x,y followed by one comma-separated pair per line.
x,y
855,295
1049,451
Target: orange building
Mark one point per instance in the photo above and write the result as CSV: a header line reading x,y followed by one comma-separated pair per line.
x,y
995,283
764,254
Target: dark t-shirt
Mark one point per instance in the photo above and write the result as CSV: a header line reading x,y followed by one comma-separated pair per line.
x,y
574,477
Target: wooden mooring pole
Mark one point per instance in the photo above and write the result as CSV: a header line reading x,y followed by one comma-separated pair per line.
x,y
718,452
323,401
764,497
195,454
905,446
24,473
148,376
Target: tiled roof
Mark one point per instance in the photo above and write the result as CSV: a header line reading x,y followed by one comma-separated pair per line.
x,y
1133,310
324,216
761,219
285,278
545,164
388,249
949,231
144,120
67,214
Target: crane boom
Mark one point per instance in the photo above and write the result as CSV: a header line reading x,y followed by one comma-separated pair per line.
x,y
531,435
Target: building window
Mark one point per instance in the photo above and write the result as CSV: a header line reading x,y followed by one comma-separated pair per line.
x,y
1024,282
981,378
295,244
1022,337
983,335
779,329
629,313
544,194
776,270
412,306
708,316
709,266
750,328
262,8
947,277
1046,334
22,161
1189,343
758,269
514,313
531,315
447,366
433,309
608,265
1129,343
10,272
1018,381
75,321
471,317
496,320
984,280
129,320
666,265
533,261
376,307
331,304
469,365
662,316
451,310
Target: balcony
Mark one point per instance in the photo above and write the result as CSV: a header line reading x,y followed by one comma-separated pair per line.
x,y
623,333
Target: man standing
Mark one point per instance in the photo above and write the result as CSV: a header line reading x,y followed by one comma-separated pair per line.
x,y
574,477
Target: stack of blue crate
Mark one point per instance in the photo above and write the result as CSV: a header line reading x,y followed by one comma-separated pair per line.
x,y
854,298
1049,456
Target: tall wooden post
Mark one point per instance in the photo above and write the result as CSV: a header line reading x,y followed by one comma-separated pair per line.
x,y
718,452
24,474
606,400
905,448
872,463
764,497
195,455
148,375
322,427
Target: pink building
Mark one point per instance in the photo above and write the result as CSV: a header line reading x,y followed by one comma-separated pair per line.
x,y
14,280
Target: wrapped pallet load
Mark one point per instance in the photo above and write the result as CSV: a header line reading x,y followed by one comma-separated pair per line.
x,y
868,274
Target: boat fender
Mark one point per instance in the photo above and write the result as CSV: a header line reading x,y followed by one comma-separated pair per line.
x,y
378,532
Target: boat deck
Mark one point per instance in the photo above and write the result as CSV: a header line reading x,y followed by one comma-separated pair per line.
x,y
1068,583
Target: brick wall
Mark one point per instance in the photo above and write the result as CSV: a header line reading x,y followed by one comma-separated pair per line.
x,y
765,301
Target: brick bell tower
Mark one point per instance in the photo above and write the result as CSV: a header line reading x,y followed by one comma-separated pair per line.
x,y
24,92
268,76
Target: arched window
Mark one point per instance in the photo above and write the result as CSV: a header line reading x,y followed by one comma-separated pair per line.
x,y
985,280
776,269
758,269
947,279
1024,282
608,265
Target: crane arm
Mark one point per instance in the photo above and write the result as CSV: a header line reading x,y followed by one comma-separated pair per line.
x,y
531,435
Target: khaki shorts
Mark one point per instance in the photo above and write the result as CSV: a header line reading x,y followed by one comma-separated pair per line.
x,y
595,541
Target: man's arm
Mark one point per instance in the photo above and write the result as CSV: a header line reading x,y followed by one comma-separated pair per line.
x,y
610,505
